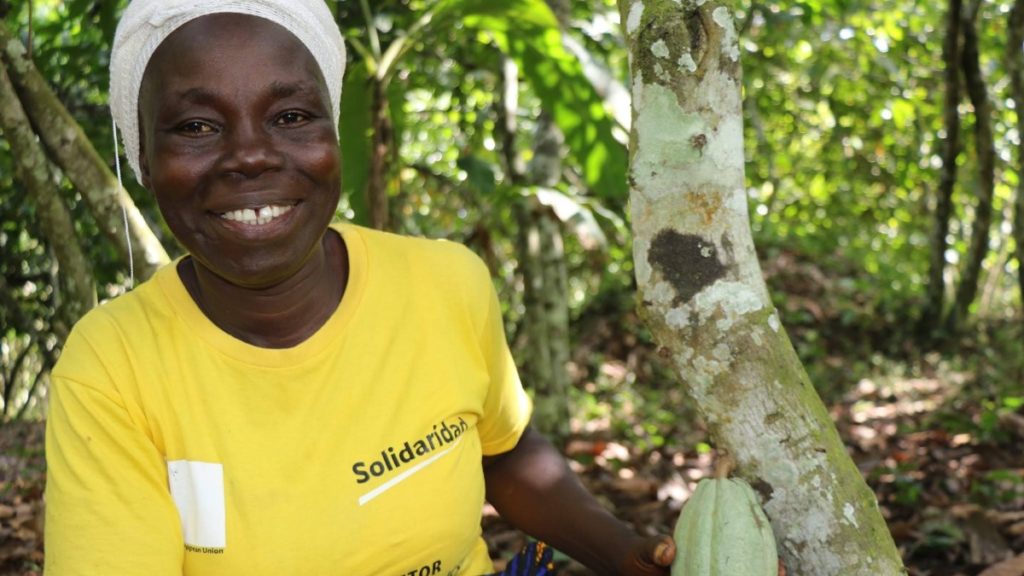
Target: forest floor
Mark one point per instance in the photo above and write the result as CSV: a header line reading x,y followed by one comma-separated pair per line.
x,y
954,500
937,437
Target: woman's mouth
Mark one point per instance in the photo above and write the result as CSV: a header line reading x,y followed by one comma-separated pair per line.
x,y
257,216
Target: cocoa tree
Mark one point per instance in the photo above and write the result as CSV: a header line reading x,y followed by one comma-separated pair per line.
x,y
541,258
703,296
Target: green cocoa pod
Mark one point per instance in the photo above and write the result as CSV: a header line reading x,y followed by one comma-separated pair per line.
x,y
722,531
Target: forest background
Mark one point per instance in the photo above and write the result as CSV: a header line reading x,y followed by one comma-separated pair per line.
x,y
884,182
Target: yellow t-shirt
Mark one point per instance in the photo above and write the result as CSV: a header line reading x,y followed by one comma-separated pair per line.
x,y
174,448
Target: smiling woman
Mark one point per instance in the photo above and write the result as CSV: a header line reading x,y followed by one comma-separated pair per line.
x,y
292,396
245,169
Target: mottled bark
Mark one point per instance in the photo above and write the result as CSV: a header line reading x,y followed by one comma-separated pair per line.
x,y
70,149
1015,69
545,328
934,304
977,91
507,126
76,290
545,168
703,296
545,317
546,289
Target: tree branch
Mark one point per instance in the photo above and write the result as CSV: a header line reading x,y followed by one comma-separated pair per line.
x,y
986,151
1015,69
947,179
70,149
12,376
35,171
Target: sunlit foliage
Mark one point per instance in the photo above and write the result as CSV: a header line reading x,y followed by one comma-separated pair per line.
x,y
843,124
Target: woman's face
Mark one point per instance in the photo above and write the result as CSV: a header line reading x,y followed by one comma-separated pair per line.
x,y
239,146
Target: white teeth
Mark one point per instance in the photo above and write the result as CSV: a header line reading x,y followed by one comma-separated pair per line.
x,y
258,217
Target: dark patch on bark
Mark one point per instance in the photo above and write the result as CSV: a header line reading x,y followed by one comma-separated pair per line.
x,y
763,488
686,261
698,35
728,247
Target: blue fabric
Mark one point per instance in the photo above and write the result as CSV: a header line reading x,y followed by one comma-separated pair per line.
x,y
534,560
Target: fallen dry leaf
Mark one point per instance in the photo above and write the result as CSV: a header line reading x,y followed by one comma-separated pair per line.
x,y
1011,567
987,545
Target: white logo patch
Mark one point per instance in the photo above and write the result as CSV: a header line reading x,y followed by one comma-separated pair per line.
x,y
198,491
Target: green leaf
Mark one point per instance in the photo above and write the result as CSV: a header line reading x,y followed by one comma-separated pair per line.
x,y
528,32
355,138
479,173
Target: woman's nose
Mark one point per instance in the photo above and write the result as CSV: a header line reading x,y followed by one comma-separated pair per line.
x,y
250,150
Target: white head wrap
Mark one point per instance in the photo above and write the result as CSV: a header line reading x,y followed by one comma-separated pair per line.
x,y
147,23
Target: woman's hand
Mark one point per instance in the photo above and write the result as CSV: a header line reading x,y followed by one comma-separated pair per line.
x,y
649,556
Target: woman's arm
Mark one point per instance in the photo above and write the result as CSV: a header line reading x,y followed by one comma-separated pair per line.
x,y
533,488
108,510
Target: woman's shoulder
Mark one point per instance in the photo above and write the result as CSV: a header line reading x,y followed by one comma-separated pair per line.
x,y
116,323
440,258
145,300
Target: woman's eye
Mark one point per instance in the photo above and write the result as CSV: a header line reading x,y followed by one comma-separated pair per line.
x,y
196,128
292,117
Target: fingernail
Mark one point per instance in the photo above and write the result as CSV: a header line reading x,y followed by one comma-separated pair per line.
x,y
660,552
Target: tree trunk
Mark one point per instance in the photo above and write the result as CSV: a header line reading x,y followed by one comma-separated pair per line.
x,y
947,181
541,259
77,292
546,289
545,318
703,296
74,153
506,125
1015,68
986,151
990,289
